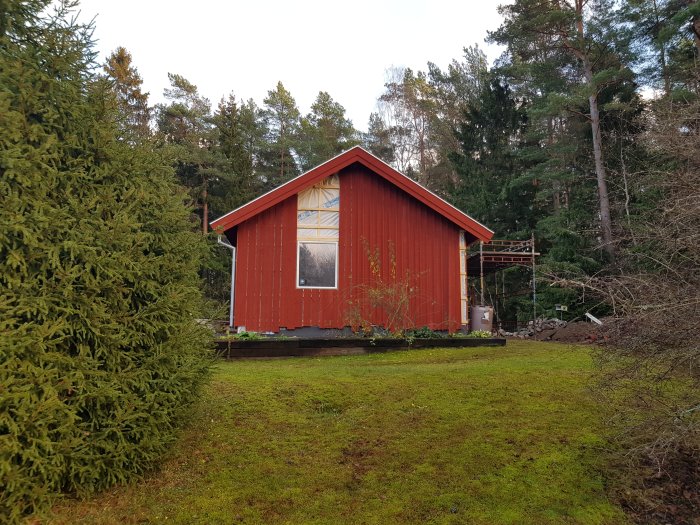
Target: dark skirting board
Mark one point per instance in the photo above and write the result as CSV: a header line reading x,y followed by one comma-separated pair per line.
x,y
346,346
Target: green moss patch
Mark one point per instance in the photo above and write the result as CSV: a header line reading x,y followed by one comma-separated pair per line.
x,y
480,436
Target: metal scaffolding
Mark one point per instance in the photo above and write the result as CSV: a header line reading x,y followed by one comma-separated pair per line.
x,y
500,254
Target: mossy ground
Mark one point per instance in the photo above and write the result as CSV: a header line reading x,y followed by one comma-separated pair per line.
x,y
480,436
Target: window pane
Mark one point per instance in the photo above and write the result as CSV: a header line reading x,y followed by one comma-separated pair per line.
x,y
317,262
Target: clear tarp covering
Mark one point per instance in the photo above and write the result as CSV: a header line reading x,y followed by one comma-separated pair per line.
x,y
331,181
329,199
319,199
307,217
318,215
307,233
328,234
328,218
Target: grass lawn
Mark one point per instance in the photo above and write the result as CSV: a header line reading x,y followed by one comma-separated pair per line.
x,y
469,436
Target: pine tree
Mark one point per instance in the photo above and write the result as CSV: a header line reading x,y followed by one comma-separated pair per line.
x,y
541,31
408,109
673,29
453,90
100,353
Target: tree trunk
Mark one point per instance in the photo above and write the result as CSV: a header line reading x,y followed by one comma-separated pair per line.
x,y
696,31
205,209
603,199
282,140
556,185
662,51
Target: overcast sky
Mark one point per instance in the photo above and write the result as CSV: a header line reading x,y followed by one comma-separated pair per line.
x,y
310,45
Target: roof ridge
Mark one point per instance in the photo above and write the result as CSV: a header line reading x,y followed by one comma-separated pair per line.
x,y
337,163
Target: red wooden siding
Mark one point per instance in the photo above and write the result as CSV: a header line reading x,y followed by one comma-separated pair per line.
x,y
371,209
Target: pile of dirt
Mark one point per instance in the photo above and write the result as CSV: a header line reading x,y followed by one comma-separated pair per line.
x,y
577,332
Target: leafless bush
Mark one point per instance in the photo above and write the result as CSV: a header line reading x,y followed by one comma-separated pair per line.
x,y
651,366
387,294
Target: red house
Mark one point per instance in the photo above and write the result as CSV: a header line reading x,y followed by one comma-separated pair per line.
x,y
350,242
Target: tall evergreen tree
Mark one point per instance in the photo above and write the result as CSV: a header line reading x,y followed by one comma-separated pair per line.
x,y
281,118
676,31
254,130
408,108
490,186
133,103
453,90
100,354
236,183
186,128
578,30
324,132
377,140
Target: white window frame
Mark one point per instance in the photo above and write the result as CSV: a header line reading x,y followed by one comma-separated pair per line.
x,y
337,263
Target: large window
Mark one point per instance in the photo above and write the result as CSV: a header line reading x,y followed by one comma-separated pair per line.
x,y
318,262
318,225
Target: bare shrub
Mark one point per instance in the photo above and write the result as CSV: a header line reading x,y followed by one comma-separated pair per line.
x,y
651,366
388,294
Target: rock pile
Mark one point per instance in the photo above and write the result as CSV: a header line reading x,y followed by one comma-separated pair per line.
x,y
540,329
556,330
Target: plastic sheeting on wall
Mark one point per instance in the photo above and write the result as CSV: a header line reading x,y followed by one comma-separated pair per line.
x,y
318,211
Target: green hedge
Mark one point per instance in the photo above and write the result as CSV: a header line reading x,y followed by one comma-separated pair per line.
x,y
100,353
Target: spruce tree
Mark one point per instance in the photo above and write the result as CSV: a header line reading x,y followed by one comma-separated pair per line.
x,y
185,127
236,183
489,185
100,353
377,140
133,103
281,120
324,132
